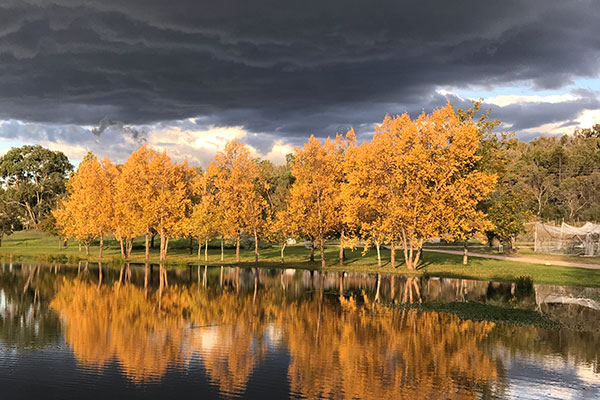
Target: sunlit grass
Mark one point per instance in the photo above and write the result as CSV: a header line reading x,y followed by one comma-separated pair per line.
x,y
43,247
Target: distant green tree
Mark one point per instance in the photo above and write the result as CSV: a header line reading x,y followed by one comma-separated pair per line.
x,y
507,212
33,177
9,216
593,132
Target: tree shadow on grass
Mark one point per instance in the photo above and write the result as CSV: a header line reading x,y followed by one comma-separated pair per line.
x,y
423,265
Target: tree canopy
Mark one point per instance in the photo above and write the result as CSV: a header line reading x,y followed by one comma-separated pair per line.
x,y
33,178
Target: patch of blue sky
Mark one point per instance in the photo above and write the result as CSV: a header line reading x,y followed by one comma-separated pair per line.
x,y
7,144
486,92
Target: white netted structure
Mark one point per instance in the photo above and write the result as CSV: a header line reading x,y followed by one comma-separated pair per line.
x,y
567,239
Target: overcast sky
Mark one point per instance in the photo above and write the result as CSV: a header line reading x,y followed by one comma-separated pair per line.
x,y
188,75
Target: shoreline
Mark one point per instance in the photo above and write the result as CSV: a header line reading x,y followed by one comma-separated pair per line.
x,y
442,265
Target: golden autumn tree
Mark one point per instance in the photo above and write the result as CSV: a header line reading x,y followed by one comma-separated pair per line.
x,y
169,200
70,225
281,228
205,220
134,192
278,181
314,197
431,177
89,207
366,195
344,146
237,180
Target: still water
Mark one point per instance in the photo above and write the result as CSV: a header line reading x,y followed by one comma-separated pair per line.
x,y
100,332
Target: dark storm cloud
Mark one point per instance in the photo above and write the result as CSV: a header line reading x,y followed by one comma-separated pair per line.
x,y
285,68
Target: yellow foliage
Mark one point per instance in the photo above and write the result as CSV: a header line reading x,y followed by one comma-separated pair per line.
x,y
88,212
416,180
236,180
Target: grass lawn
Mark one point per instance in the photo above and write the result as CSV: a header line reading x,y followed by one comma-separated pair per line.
x,y
40,247
523,250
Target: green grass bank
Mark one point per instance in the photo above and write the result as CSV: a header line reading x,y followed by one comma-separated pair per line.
x,y
36,246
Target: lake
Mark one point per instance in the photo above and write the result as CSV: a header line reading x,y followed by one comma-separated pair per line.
x,y
140,331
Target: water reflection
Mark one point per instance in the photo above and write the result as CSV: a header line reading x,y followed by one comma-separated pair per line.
x,y
332,331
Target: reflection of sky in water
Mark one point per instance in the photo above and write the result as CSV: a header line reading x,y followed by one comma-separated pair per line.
x,y
551,377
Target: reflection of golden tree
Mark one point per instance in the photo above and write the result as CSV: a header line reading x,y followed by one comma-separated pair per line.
x,y
345,351
119,323
238,325
385,354
123,322
229,363
85,314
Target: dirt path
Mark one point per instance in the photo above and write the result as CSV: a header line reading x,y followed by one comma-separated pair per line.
x,y
517,258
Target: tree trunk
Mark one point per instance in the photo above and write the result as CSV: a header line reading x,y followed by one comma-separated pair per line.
x,y
79,246
407,253
128,247
222,249
163,245
342,248
408,258
199,248
87,249
312,251
322,250
237,248
255,246
160,252
206,250
377,245
282,249
101,245
490,238
122,247
465,254
413,256
148,245
393,254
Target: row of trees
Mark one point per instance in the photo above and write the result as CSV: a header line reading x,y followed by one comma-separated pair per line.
x,y
148,193
414,181
559,175
340,188
554,179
